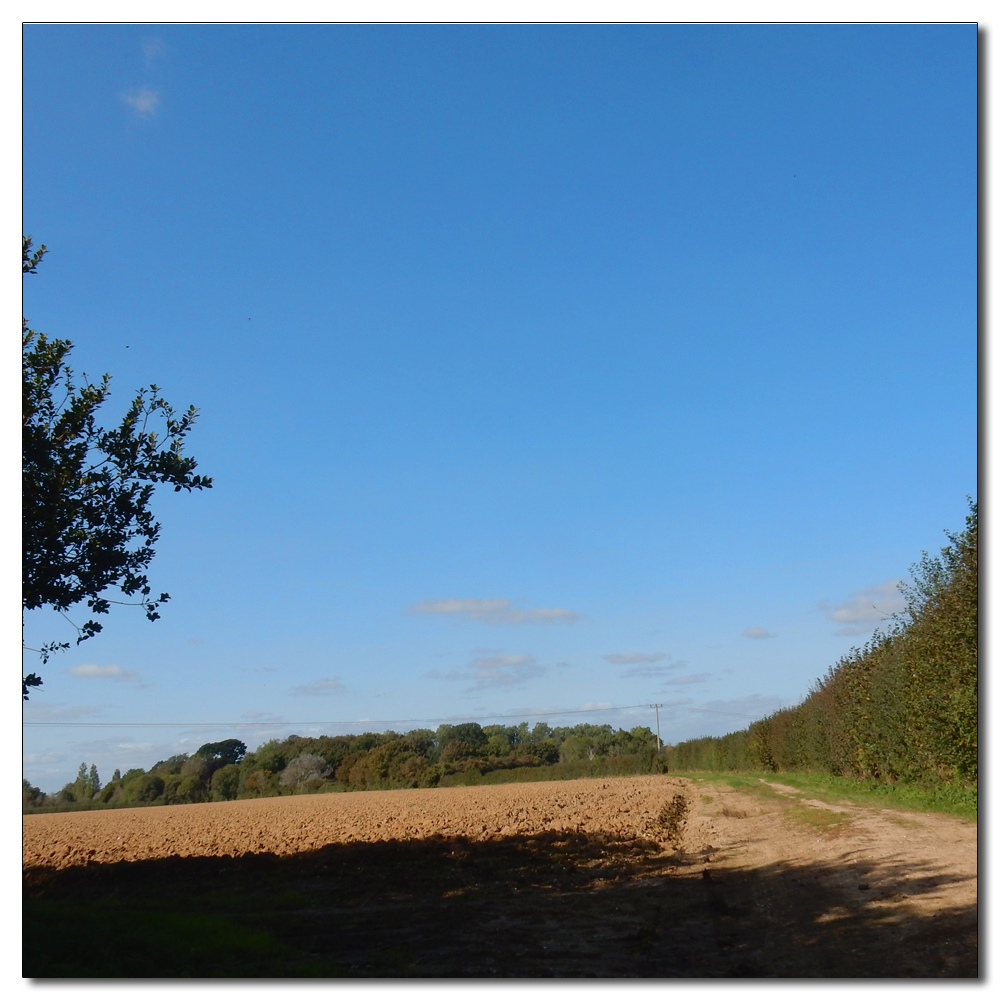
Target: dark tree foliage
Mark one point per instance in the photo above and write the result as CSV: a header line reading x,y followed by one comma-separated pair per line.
x,y
227,751
86,520
31,795
470,733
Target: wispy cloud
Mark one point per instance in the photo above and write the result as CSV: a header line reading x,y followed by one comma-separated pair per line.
x,y
862,611
37,712
558,714
748,708
118,745
497,670
685,719
493,611
110,671
636,657
153,51
508,668
645,664
144,101
444,675
252,717
654,670
49,757
757,633
324,686
688,679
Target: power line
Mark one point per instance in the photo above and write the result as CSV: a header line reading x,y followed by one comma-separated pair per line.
x,y
357,722
344,722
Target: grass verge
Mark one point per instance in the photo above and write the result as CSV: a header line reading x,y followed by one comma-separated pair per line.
x,y
955,800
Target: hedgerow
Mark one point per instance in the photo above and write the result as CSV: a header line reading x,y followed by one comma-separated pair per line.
x,y
902,708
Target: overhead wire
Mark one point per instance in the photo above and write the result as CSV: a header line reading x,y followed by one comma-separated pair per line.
x,y
253,724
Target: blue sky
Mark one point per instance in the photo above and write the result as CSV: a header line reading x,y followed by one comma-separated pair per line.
x,y
540,368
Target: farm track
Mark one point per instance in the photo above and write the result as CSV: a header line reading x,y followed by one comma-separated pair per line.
x,y
651,877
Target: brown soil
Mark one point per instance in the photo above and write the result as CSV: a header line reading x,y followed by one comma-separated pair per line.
x,y
651,876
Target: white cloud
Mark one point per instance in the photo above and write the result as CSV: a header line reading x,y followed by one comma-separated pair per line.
x,y
757,633
324,686
636,657
492,611
110,670
143,101
866,608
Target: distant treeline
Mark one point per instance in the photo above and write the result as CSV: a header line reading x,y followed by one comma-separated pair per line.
x,y
904,707
422,758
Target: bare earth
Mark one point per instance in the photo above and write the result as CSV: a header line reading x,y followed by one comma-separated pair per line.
x,y
650,876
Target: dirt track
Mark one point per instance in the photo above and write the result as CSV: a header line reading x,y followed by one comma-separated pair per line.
x,y
619,877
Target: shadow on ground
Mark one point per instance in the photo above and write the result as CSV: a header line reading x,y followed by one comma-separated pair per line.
x,y
553,905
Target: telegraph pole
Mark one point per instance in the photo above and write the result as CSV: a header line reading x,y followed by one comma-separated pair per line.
x,y
656,708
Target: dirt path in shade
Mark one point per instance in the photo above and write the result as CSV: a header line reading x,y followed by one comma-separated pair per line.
x,y
651,876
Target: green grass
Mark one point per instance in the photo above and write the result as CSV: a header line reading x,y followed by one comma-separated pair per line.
x,y
955,800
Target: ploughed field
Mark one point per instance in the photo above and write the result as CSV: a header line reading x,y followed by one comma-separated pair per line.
x,y
648,876
618,807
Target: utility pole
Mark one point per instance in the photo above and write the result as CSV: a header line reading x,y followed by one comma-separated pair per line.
x,y
656,708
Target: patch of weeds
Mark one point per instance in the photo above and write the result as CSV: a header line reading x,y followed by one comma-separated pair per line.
x,y
708,798
822,819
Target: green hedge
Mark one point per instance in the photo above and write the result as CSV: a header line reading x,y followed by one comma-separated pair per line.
x,y
904,707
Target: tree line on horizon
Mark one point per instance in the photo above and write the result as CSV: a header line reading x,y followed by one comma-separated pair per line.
x,y
466,753
902,708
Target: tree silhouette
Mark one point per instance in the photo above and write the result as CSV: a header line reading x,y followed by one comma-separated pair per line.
x,y
86,522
